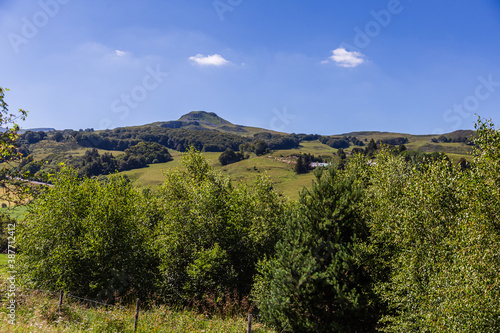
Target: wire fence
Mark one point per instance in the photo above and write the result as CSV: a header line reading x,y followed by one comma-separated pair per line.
x,y
55,293
68,295
80,299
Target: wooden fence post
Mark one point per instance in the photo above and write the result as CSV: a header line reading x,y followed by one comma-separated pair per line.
x,y
249,327
136,315
61,294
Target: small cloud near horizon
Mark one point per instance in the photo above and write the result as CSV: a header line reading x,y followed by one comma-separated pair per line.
x,y
211,60
120,53
344,58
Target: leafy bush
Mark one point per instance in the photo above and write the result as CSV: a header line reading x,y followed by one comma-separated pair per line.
x,y
229,156
394,141
435,240
87,237
213,232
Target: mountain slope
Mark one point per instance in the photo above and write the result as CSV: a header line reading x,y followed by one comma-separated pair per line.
x,y
202,120
208,118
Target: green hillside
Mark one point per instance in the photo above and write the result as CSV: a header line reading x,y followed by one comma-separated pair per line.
x,y
211,134
284,178
279,166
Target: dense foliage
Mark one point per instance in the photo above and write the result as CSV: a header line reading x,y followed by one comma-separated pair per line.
x,y
88,237
229,156
179,139
337,142
213,233
334,142
434,237
395,141
198,235
414,247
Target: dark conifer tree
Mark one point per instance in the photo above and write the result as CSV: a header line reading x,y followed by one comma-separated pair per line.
x,y
341,154
300,167
317,282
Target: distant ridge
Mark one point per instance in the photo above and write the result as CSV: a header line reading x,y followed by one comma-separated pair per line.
x,y
455,134
40,129
204,120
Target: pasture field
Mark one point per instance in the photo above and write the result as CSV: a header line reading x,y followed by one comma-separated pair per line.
x,y
275,164
48,148
286,181
278,164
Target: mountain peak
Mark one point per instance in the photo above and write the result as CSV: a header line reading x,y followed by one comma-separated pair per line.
x,y
207,118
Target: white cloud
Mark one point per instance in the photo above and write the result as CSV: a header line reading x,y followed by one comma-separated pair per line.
x,y
211,60
344,58
120,53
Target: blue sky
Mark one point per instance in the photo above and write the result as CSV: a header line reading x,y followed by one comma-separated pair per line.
x,y
321,66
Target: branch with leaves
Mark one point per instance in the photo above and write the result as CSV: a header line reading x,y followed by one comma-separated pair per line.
x,y
13,188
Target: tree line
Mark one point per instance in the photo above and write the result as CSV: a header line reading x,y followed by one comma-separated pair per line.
x,y
179,139
93,162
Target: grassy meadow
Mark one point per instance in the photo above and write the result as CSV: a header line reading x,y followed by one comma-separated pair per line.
x,y
282,174
275,164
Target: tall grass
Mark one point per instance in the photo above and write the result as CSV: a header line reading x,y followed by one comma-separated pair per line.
x,y
37,312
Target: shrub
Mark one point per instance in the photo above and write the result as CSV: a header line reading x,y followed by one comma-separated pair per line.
x,y
229,156
435,238
213,232
86,237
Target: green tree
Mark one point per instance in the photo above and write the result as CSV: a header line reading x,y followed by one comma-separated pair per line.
x,y
464,165
213,233
229,156
88,237
260,147
341,154
300,166
317,281
58,136
14,189
435,240
371,148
